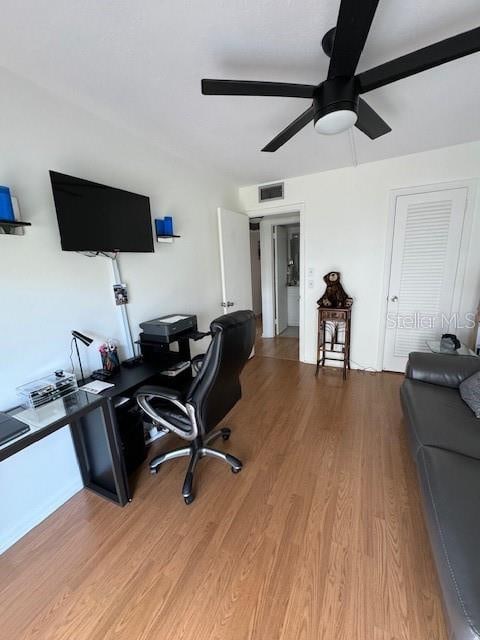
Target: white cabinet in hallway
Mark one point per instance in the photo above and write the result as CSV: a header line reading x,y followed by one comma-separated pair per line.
x,y
293,306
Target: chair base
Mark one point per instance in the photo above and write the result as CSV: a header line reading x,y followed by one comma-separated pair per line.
x,y
198,449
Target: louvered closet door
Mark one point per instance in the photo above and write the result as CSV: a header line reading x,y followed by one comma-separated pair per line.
x,y
425,256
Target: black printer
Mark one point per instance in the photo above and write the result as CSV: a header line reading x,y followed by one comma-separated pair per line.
x,y
158,334
164,329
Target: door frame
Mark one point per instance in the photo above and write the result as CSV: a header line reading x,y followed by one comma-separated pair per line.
x,y
465,246
267,249
276,263
297,211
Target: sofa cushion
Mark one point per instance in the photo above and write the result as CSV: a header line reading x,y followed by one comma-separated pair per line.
x,y
470,392
438,417
451,491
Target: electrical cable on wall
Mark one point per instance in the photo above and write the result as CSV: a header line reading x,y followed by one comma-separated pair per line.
x,y
71,356
113,256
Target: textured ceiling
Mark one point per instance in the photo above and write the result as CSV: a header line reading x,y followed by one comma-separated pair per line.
x,y
140,64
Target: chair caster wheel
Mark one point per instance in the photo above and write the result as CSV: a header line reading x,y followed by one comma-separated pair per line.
x,y
189,499
225,436
236,469
153,472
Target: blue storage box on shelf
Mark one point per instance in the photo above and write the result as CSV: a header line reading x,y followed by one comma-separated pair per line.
x,y
6,206
164,229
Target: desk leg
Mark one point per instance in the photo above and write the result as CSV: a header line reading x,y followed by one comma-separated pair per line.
x,y
99,454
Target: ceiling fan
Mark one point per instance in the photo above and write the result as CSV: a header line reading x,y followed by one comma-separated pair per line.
x,y
337,104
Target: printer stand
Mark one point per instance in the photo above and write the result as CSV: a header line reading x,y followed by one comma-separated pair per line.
x,y
157,350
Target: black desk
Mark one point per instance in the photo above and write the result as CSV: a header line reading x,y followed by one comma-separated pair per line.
x,y
94,431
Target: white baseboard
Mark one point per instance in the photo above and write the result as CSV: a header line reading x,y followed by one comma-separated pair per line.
x,y
18,529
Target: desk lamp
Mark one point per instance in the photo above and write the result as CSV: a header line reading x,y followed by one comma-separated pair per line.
x,y
86,341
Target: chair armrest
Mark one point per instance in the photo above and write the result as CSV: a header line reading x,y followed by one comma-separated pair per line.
x,y
165,393
197,362
146,393
446,370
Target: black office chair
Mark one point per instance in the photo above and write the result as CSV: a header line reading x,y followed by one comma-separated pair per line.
x,y
213,392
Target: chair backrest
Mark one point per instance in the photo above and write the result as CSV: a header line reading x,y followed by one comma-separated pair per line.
x,y
216,388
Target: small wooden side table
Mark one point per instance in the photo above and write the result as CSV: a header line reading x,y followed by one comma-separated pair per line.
x,y
336,319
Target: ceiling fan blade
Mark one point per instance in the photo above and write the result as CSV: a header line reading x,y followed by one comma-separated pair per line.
x,y
369,122
293,128
441,52
254,88
353,25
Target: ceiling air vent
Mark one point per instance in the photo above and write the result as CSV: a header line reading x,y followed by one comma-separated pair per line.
x,y
269,192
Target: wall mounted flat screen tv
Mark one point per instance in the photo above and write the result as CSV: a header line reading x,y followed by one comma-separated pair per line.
x,y
94,217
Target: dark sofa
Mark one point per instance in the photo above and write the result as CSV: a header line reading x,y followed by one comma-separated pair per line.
x,y
445,442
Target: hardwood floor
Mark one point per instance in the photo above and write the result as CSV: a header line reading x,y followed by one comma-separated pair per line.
x,y
320,537
281,347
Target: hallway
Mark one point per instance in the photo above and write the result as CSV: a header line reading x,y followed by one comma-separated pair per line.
x,y
283,347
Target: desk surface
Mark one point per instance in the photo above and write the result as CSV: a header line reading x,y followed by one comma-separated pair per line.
x,y
61,412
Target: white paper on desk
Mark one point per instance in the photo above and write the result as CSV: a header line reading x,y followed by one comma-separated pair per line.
x,y
171,319
96,386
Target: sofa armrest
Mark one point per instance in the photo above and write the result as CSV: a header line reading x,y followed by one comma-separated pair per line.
x,y
446,370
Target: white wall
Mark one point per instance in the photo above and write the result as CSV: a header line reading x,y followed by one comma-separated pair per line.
x,y
345,220
45,292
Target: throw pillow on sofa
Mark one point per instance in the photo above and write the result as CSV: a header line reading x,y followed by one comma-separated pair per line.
x,y
470,392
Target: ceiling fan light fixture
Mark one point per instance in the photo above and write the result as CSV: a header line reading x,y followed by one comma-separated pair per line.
x,y
335,106
336,121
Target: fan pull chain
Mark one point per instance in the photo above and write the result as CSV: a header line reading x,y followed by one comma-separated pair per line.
x,y
353,148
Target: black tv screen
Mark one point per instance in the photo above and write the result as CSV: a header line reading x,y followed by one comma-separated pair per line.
x,y
94,217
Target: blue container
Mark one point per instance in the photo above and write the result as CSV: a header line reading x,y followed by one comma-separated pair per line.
x,y
168,225
6,207
159,226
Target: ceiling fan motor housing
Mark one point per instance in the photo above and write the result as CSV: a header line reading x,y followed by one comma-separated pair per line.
x,y
337,94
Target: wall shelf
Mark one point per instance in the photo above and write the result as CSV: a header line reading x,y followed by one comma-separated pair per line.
x,y
167,238
9,226
164,229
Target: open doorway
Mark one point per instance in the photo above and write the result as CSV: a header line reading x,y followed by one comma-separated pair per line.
x,y
275,259
286,244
